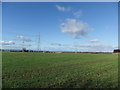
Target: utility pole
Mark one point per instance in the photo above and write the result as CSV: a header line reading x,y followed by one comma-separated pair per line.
x,y
23,48
38,47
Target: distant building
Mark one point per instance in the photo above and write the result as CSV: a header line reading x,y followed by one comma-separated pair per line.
x,y
117,51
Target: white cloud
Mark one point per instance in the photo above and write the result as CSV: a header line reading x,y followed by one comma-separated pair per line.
x,y
60,44
23,38
94,40
63,9
7,42
56,44
77,14
74,28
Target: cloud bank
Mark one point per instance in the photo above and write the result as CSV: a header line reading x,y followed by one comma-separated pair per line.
x,y
83,48
17,46
93,48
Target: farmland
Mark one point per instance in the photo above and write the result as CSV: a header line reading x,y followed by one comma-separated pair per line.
x,y
59,70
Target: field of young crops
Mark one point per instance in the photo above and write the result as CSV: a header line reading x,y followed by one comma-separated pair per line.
x,y
59,70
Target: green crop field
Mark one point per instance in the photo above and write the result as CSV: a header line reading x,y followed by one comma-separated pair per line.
x,y
59,70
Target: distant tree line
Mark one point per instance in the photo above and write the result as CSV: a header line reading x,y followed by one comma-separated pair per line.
x,y
24,50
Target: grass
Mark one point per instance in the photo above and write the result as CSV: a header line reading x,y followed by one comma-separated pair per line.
x,y
59,70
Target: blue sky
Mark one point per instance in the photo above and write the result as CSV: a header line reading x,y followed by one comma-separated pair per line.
x,y
78,26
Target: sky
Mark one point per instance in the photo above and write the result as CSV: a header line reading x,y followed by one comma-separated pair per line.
x,y
60,26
